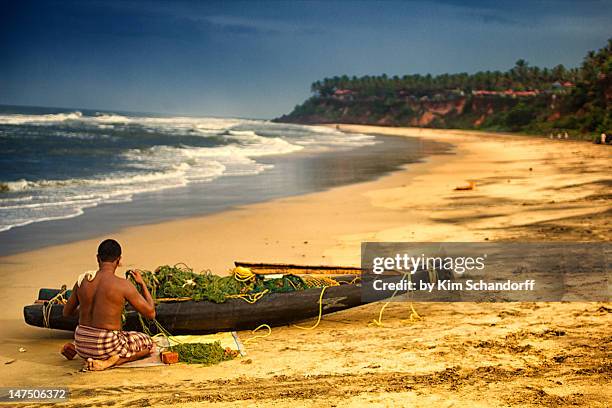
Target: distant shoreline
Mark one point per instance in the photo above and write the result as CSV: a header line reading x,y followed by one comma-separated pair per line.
x,y
474,132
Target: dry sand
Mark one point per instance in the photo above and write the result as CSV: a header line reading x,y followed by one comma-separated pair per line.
x,y
516,354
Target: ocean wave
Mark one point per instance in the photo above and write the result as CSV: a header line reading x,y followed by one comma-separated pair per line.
x,y
51,204
176,122
108,118
16,199
18,119
72,213
236,158
229,147
299,135
111,181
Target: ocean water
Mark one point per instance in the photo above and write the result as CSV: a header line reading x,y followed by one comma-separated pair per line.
x,y
55,164
67,175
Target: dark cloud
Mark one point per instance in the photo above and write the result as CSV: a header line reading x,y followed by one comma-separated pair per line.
x,y
258,58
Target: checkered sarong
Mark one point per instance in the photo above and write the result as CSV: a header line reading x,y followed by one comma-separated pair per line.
x,y
100,344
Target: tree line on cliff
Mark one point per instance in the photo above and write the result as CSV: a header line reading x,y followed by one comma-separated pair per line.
x,y
524,99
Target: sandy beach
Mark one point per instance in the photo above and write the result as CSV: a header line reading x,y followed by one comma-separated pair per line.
x,y
458,354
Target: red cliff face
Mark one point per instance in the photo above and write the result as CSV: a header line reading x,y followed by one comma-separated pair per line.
x,y
430,111
472,111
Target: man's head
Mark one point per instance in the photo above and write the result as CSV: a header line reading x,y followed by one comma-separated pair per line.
x,y
109,251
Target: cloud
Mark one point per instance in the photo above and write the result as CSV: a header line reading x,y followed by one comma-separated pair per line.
x,y
490,18
240,25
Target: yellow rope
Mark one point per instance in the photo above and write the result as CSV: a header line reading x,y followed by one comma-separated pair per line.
x,y
179,299
413,314
299,327
243,274
250,339
320,312
249,297
355,279
260,336
292,284
379,322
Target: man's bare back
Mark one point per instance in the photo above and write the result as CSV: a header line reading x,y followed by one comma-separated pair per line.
x,y
99,302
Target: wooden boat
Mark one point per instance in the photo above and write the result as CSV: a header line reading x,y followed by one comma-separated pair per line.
x,y
274,268
190,317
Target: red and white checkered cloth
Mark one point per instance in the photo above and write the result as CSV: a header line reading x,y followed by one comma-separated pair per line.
x,y
100,344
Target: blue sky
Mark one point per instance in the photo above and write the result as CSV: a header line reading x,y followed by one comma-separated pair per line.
x,y
258,58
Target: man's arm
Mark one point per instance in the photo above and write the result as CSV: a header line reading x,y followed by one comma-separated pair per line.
x,y
142,303
70,308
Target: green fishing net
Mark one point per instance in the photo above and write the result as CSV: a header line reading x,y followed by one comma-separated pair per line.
x,y
180,281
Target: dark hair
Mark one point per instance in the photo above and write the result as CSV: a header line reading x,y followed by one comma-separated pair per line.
x,y
109,250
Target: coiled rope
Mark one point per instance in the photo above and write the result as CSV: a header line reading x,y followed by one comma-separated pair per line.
x,y
242,274
48,306
259,336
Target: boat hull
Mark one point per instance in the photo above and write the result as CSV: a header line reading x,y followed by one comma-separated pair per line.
x,y
190,317
274,309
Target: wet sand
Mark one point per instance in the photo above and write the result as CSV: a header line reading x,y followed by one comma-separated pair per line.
x,y
516,354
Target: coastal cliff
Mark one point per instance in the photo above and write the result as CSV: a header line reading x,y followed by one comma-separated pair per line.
x,y
522,99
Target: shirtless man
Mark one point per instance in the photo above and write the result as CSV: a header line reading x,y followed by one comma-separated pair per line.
x,y
99,299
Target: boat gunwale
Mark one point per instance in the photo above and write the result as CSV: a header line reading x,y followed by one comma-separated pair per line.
x,y
326,269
